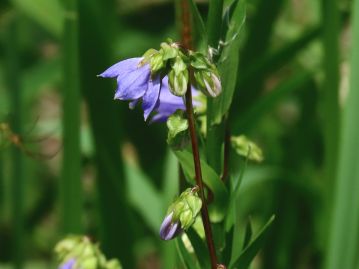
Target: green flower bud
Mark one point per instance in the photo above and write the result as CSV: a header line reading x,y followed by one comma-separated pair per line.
x,y
208,82
186,208
177,125
246,148
178,82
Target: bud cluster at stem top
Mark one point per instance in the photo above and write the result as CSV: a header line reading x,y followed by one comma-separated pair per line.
x,y
178,63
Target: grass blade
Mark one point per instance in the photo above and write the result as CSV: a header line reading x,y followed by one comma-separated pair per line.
x,y
246,257
71,183
139,186
117,226
16,123
48,13
214,22
263,105
330,91
344,235
199,25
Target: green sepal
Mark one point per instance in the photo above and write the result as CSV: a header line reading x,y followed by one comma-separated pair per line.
x,y
156,63
200,61
148,55
177,125
169,51
186,208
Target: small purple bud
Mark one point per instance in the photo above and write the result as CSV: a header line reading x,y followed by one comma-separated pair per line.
x,y
68,264
170,229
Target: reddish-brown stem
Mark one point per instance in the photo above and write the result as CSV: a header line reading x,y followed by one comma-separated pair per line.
x,y
198,172
187,43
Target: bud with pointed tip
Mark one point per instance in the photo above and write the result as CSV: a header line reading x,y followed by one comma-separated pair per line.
x,y
178,77
208,82
182,214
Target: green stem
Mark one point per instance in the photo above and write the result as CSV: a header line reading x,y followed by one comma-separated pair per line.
x,y
71,189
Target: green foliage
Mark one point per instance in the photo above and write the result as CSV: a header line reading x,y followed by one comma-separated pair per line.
x,y
211,179
284,69
251,250
228,62
343,243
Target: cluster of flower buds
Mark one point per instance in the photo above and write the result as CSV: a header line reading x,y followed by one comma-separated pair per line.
x,y
246,148
181,214
78,252
172,60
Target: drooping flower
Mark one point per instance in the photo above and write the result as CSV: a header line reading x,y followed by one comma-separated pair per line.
x,y
135,83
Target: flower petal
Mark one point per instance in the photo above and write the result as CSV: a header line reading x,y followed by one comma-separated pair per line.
x,y
133,103
69,264
133,84
151,96
169,229
121,67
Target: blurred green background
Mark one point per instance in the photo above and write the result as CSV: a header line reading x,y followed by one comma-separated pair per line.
x,y
73,160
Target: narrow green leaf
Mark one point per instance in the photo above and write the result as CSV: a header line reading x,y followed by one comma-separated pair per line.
x,y
48,13
330,89
344,235
246,257
214,22
71,183
237,169
187,258
199,25
272,61
219,207
268,101
228,64
17,173
170,179
116,219
200,248
139,186
248,234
